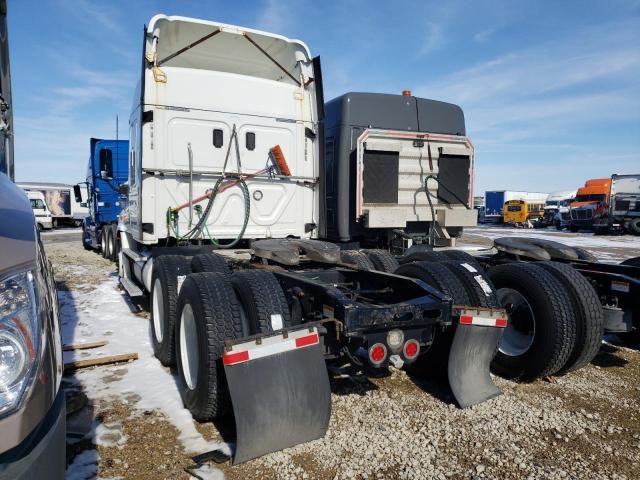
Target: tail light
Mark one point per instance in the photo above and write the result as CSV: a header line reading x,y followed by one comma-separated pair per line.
x,y
411,350
377,354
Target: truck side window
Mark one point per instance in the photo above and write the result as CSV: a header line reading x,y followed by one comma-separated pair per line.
x,y
250,141
217,138
106,162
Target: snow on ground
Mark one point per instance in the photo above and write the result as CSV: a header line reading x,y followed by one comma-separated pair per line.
x,y
84,465
618,247
103,313
584,239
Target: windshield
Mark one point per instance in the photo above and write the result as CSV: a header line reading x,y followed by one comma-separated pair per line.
x,y
591,198
514,208
37,203
552,203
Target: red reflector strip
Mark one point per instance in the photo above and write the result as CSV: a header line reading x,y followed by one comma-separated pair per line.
x,y
254,351
483,321
235,357
307,340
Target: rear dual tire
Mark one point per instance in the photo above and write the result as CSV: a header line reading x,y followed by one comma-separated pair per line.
x,y
213,307
209,314
164,299
555,320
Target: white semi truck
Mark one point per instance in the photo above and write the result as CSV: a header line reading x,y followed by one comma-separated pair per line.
x,y
226,151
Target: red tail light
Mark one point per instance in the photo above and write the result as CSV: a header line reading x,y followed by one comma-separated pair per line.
x,y
377,353
411,349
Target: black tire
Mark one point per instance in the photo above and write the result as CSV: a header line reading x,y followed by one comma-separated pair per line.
x,y
553,318
633,262
113,243
558,225
103,241
209,262
463,256
479,287
260,296
634,226
573,229
356,258
422,256
588,313
382,260
166,269
433,362
216,318
437,276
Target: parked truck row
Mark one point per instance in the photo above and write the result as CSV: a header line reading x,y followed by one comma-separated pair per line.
x,y
279,238
603,205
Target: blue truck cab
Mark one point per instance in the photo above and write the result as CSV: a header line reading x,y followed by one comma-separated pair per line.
x,y
108,170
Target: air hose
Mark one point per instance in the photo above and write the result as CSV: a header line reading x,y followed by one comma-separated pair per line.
x,y
432,227
201,226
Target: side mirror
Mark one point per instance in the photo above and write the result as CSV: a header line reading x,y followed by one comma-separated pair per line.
x,y
83,204
123,189
77,193
104,175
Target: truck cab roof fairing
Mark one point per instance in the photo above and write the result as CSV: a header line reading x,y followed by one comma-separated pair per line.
x,y
228,51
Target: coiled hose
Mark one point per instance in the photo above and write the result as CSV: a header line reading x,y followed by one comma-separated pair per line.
x,y
201,226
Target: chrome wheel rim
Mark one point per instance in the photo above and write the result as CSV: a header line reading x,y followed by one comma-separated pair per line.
x,y
189,351
520,332
158,311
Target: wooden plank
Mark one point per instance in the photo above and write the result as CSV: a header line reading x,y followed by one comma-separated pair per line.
x,y
83,346
106,360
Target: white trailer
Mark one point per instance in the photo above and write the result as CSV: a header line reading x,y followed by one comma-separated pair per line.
x,y
624,203
64,208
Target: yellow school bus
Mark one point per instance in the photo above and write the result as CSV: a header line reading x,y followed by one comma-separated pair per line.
x,y
517,212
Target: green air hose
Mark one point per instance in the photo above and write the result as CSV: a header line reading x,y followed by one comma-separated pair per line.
x,y
201,226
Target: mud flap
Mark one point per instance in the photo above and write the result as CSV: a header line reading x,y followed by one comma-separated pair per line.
x,y
279,391
474,345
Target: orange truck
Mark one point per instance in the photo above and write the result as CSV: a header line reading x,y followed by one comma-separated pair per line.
x,y
590,208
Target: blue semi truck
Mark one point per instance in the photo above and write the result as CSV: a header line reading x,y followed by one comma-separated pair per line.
x,y
107,172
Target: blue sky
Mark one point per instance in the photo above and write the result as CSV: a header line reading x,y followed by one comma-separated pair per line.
x,y
551,90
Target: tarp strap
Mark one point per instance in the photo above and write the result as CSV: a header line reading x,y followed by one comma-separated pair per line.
x,y
272,59
188,47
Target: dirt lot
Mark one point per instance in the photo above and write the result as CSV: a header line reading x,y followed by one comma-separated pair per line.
x,y
585,425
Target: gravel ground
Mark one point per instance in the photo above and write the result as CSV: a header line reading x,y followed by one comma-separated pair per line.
x,y
584,425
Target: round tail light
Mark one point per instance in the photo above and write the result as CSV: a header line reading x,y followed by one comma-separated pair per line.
x,y
411,349
377,354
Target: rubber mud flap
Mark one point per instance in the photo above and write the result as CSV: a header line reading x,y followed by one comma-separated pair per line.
x,y
279,401
472,350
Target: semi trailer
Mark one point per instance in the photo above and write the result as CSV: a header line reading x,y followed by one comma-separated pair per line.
x,y
107,172
226,154
495,200
624,205
65,209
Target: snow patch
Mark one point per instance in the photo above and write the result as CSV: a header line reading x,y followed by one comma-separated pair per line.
x,y
84,466
104,314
